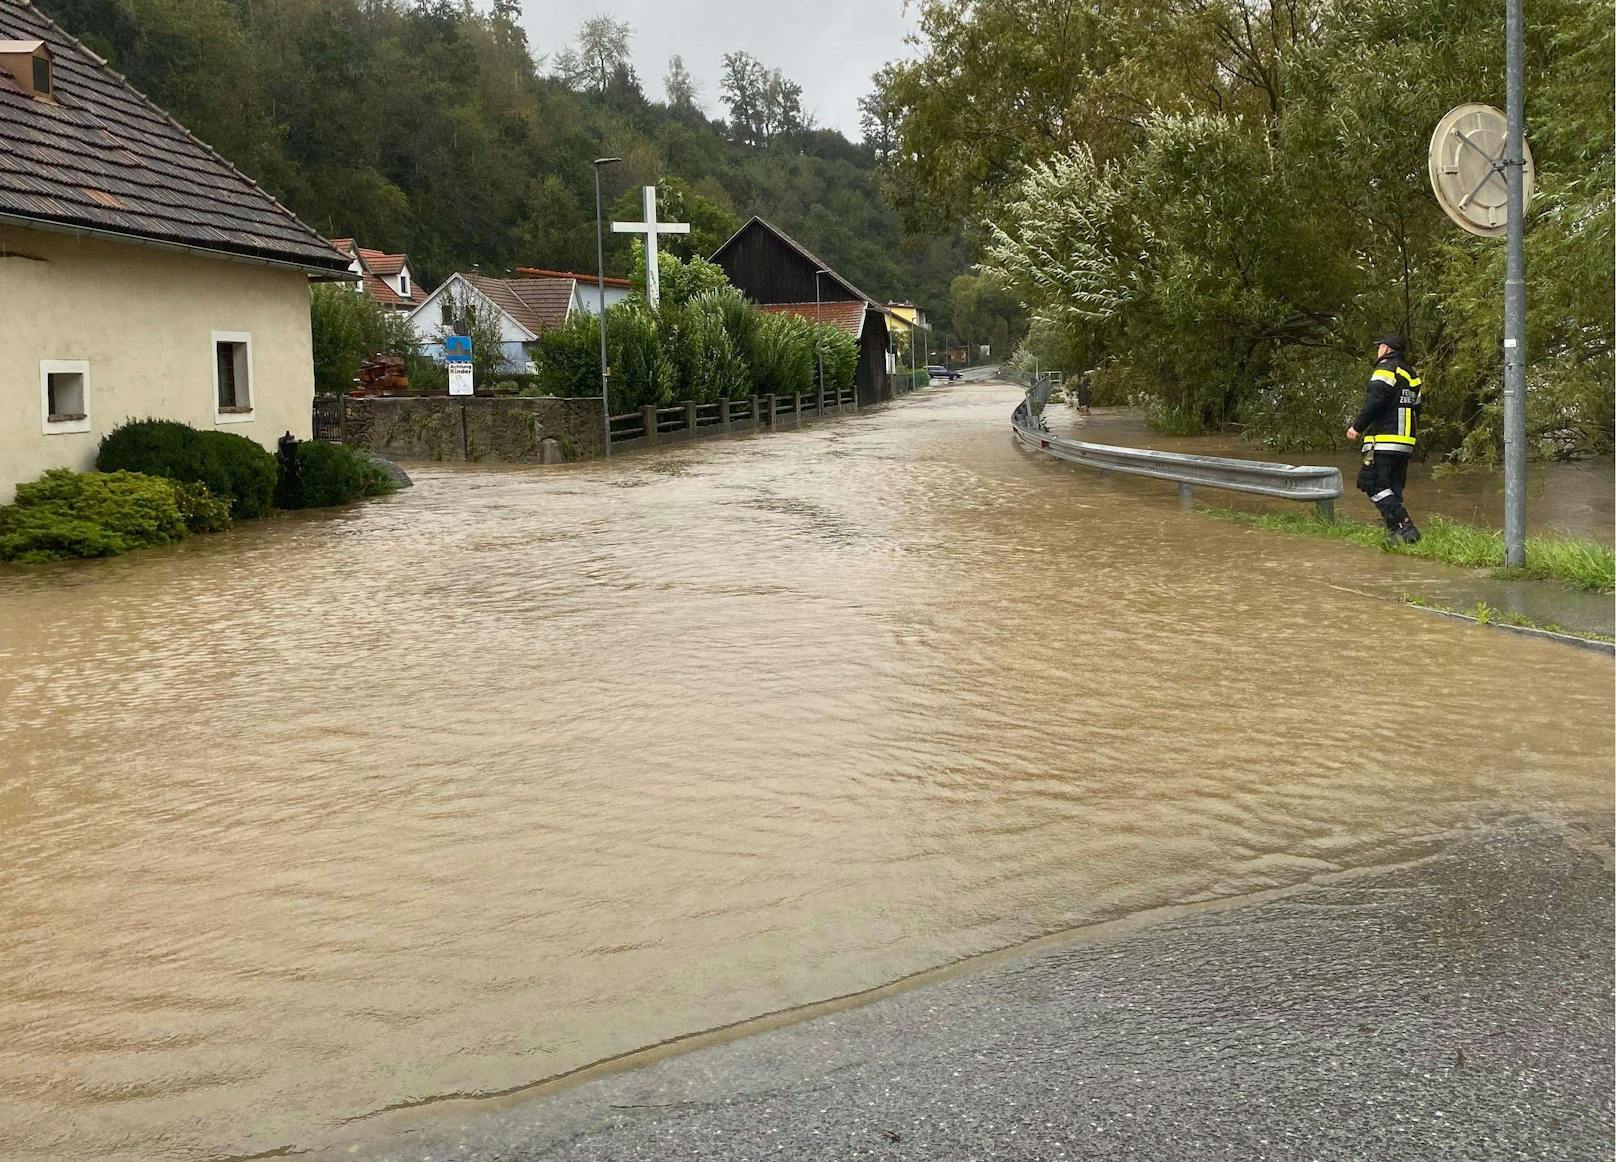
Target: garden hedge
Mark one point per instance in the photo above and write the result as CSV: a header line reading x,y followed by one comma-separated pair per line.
x,y
232,467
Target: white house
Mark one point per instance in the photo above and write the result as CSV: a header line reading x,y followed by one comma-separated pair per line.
x,y
386,278
524,307
140,273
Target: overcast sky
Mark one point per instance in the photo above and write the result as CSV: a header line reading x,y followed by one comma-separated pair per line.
x,y
829,47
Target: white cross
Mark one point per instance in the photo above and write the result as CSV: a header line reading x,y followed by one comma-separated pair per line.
x,y
651,228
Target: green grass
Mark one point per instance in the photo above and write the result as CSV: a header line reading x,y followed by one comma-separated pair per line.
x,y
1577,562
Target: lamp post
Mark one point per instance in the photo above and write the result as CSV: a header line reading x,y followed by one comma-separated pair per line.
x,y
600,266
819,348
1514,161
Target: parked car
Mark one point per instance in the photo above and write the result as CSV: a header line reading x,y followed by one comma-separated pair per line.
x,y
938,371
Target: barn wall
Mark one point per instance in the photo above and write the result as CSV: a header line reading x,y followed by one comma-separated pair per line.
x,y
874,384
769,271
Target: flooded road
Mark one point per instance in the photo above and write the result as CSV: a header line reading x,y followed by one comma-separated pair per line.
x,y
521,769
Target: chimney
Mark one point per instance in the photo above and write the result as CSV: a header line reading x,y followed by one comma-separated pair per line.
x,y
29,63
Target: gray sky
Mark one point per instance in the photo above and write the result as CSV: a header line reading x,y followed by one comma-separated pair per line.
x,y
829,47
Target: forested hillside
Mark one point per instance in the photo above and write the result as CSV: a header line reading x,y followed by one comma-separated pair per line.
x,y
1220,203
433,126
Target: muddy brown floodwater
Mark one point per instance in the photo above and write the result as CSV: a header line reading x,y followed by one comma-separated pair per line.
x,y
521,769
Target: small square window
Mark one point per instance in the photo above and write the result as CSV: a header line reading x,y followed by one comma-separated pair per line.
x,y
64,396
232,376
42,75
446,311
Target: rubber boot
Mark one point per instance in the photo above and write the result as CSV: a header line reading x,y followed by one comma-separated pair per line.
x,y
1407,533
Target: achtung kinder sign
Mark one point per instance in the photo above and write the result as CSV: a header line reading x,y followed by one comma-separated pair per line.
x,y
457,352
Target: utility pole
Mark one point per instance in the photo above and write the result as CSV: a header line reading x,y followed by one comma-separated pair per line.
x,y
1515,292
600,265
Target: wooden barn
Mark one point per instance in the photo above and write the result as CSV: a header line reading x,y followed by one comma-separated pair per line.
x,y
779,274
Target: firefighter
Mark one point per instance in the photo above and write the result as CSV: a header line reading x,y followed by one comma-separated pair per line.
x,y
1388,423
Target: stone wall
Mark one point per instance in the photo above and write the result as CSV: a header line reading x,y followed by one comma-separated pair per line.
x,y
504,429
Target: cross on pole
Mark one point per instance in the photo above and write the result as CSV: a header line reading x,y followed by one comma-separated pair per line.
x,y
651,228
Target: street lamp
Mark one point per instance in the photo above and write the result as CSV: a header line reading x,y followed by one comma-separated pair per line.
x,y
819,344
600,266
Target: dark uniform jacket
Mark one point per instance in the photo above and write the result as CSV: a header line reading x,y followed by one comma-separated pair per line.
x,y
1389,417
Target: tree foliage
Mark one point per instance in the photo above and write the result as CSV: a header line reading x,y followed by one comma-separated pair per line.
x,y
430,126
1220,203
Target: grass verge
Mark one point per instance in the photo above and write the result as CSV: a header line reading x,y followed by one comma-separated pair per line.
x,y
1577,562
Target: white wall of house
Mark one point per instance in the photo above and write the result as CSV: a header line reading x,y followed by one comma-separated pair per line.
x,y
140,326
427,322
586,297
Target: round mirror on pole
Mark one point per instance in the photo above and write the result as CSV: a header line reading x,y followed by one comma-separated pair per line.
x,y
1467,170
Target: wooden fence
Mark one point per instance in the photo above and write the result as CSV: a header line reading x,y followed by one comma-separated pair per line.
x,y
652,425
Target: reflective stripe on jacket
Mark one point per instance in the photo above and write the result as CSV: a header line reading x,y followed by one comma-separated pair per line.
x,y
1389,418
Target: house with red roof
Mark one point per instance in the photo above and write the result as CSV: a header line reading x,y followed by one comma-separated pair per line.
x,y
142,274
386,278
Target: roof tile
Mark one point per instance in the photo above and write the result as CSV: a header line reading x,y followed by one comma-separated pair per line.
x,y
60,162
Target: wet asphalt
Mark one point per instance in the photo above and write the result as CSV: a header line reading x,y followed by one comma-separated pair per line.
x,y
1458,1007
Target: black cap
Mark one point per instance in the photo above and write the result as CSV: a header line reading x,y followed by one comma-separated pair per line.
x,y
1395,342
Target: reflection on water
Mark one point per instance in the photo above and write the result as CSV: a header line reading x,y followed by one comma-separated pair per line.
x,y
521,769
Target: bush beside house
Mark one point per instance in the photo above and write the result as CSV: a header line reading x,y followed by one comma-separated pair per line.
x,y
232,467
160,481
100,514
331,474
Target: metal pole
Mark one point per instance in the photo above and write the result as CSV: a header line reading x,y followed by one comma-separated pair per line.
x,y
600,266
1515,295
819,341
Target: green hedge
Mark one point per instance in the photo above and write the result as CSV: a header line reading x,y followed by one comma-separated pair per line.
x,y
231,466
330,474
100,514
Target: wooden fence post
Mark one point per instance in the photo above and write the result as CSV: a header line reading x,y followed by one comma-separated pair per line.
x,y
690,416
649,420
772,414
723,414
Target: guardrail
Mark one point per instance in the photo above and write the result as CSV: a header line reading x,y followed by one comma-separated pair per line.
x,y
1319,485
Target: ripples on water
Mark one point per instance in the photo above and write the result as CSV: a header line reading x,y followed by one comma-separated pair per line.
x,y
521,769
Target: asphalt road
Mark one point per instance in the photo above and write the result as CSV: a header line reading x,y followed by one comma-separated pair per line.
x,y
1455,1008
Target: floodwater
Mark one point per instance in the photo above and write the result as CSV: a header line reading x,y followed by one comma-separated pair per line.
x,y
521,769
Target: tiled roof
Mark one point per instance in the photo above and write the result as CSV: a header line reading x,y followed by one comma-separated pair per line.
x,y
383,263
843,313
105,158
588,279
536,303
384,294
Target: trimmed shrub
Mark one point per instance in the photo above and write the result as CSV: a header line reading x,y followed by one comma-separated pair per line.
x,y
233,467
202,511
782,355
247,473
329,474
840,353
89,514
